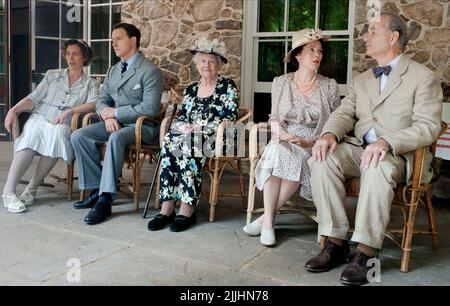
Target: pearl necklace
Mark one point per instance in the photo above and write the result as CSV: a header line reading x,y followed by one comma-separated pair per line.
x,y
304,87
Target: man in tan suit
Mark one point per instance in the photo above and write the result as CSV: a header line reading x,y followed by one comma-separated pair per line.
x,y
391,110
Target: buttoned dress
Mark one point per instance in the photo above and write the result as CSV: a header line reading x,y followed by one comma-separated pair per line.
x,y
298,115
51,97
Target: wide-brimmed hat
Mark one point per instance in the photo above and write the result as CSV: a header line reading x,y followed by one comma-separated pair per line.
x,y
303,37
214,46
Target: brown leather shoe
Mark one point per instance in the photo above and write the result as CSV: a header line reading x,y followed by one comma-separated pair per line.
x,y
355,274
329,257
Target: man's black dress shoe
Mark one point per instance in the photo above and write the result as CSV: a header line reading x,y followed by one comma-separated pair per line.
x,y
89,202
159,221
329,257
100,211
355,274
182,223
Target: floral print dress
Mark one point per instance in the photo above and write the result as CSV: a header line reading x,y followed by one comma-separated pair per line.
x,y
184,155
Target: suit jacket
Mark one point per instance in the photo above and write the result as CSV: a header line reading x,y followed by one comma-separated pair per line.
x,y
407,113
136,93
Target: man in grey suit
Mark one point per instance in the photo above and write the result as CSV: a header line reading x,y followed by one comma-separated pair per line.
x,y
132,88
391,111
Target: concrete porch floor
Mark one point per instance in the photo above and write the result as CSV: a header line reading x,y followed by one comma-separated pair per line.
x,y
36,246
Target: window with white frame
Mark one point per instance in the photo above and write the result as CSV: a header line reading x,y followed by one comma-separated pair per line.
x,y
48,35
268,28
104,14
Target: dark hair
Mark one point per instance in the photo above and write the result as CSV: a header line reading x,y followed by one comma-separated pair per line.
x,y
131,30
293,63
86,50
397,24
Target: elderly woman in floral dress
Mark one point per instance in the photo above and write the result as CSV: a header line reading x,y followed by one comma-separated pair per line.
x,y
206,104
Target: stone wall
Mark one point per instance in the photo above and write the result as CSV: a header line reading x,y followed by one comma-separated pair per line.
x,y
169,28
429,25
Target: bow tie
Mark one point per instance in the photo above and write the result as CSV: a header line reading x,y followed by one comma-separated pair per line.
x,y
124,67
378,71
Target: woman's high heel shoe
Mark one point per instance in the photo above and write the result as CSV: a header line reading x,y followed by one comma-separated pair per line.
x,y
27,196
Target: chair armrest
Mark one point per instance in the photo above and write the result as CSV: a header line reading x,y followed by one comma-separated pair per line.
x,y
74,122
248,114
163,130
253,138
87,119
219,137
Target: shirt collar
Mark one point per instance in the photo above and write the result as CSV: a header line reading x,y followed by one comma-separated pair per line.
x,y
131,60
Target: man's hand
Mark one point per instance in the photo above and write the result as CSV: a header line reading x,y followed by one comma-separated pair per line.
x,y
108,113
11,116
374,153
322,145
112,125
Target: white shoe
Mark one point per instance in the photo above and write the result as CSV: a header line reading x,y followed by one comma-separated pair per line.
x,y
254,228
267,237
13,203
27,196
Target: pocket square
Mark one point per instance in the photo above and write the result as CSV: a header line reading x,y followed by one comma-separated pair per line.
x,y
137,86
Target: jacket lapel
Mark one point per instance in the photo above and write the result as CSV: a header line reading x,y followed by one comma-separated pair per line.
x,y
394,80
132,70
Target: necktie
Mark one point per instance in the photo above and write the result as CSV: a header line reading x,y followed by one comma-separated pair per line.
x,y
378,71
124,67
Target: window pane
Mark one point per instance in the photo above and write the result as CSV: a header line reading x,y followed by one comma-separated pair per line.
x,y
100,63
271,16
46,14
100,22
334,14
74,1
47,55
270,60
2,66
334,63
70,26
116,14
1,28
262,107
99,1
302,14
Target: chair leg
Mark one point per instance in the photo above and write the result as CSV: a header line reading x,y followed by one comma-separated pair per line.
x,y
137,183
407,237
82,194
432,228
70,172
251,192
214,191
241,179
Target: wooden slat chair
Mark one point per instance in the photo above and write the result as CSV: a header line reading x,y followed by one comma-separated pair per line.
x,y
69,178
216,164
407,198
135,154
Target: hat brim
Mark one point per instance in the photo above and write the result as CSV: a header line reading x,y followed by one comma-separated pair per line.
x,y
224,59
287,57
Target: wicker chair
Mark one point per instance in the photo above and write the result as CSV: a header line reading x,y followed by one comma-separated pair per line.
x,y
407,198
69,178
215,165
135,154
